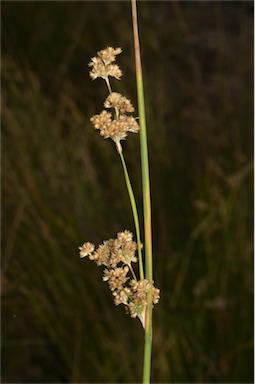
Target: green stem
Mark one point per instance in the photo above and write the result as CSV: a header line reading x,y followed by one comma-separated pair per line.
x,y
147,356
130,192
146,197
135,213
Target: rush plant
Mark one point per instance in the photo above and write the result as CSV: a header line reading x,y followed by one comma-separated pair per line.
x,y
117,255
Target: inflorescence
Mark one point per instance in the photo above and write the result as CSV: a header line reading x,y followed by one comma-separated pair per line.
x,y
116,255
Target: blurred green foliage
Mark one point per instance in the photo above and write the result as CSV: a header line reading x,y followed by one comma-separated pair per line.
x,y
63,185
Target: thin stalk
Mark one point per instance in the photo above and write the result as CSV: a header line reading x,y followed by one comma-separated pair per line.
x,y
130,192
146,196
132,271
108,85
135,213
110,92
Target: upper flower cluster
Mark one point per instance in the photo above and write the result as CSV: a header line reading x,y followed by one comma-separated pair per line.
x,y
117,255
102,64
116,125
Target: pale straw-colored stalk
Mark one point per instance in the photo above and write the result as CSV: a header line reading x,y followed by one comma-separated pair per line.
x,y
146,196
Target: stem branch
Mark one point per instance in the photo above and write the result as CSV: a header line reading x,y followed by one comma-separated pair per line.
x,y
135,214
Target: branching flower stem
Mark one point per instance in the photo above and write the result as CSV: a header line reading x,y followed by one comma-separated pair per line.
x,y
132,272
110,92
130,192
108,84
135,214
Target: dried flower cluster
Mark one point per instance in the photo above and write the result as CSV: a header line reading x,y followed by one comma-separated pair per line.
x,y
116,125
102,64
115,129
117,255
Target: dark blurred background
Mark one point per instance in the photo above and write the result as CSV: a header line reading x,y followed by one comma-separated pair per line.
x,y
62,185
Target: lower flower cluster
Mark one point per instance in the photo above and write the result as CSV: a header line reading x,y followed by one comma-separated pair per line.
x,y
117,255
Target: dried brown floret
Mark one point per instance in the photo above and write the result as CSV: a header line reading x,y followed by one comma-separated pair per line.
x,y
109,54
130,122
116,100
101,121
98,68
114,71
125,236
86,249
141,288
128,252
116,278
121,297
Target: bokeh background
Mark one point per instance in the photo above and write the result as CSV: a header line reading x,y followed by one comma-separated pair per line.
x,y
62,185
